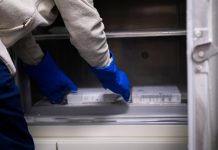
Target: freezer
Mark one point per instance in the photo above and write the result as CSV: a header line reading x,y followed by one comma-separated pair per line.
x,y
168,50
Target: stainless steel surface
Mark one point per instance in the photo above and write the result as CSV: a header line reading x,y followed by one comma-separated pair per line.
x,y
202,74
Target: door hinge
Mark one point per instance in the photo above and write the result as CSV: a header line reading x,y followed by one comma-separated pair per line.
x,y
203,46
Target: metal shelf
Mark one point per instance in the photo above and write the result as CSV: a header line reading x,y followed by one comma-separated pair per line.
x,y
44,113
170,114
146,33
110,112
121,34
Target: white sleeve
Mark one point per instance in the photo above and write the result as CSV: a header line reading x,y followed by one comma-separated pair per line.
x,y
86,30
28,51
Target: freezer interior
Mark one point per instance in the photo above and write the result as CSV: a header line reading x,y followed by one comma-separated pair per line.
x,y
148,40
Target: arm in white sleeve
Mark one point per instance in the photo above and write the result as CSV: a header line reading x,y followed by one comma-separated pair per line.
x,y
28,51
86,30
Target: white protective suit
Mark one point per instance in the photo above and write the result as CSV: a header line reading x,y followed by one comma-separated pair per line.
x,y
20,17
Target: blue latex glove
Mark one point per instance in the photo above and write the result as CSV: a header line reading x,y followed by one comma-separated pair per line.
x,y
53,83
114,79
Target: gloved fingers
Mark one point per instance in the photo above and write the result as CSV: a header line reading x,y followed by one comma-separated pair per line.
x,y
124,85
120,89
120,85
62,87
126,95
72,87
114,79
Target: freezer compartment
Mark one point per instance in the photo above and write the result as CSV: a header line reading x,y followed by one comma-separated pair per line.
x,y
146,61
148,39
158,61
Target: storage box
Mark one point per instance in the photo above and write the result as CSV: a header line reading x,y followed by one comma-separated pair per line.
x,y
155,95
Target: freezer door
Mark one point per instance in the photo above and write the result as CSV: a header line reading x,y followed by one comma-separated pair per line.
x,y
202,58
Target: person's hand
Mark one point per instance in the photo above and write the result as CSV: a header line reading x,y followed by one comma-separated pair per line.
x,y
52,81
114,79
